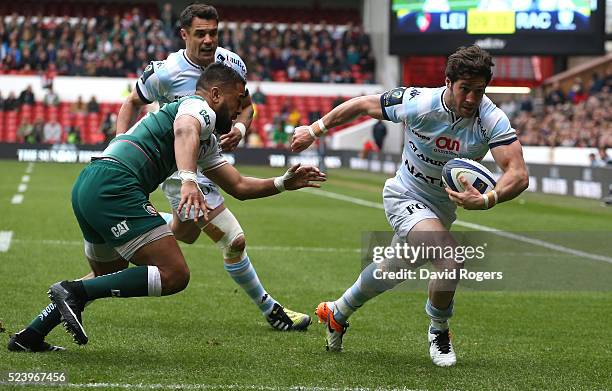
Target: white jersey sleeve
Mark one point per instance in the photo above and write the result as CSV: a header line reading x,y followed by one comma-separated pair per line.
x,y
152,84
399,105
198,109
500,130
210,156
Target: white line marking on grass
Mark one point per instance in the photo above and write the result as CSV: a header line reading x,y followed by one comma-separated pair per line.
x,y
209,246
5,240
22,188
25,178
17,199
211,387
495,231
29,168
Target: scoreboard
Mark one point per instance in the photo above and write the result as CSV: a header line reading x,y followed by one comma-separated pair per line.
x,y
511,27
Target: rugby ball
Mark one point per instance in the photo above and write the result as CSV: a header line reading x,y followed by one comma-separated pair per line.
x,y
475,173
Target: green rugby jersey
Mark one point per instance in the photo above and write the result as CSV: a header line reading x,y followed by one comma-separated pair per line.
x,y
147,148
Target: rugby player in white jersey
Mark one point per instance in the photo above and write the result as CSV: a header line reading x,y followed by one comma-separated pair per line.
x,y
165,81
456,120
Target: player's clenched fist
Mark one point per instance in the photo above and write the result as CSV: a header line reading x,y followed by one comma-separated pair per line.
x,y
302,139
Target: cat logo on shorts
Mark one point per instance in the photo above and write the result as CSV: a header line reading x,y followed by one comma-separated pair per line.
x,y
150,209
120,229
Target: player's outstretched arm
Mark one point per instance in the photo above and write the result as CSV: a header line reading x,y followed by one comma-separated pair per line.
x,y
229,142
304,136
186,146
244,188
129,112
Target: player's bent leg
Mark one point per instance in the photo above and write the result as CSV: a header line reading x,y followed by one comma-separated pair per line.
x,y
439,306
32,339
162,270
225,230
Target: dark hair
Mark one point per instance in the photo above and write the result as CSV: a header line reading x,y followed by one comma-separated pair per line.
x,y
217,74
197,10
469,62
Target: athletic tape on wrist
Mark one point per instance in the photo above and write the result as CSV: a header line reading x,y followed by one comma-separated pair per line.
x,y
188,176
312,133
241,127
279,183
322,126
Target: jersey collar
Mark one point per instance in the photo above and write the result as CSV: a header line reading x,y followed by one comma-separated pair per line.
x,y
446,108
191,62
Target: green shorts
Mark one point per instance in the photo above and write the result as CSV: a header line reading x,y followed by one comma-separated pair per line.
x,y
111,206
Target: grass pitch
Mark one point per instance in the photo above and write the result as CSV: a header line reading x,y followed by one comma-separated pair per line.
x,y
305,249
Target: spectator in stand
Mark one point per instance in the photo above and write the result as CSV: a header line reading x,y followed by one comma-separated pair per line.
x,y
279,137
78,107
108,127
37,134
380,133
11,103
555,96
24,132
597,84
74,135
577,93
52,132
51,98
526,104
92,105
258,97
27,96
294,117
603,157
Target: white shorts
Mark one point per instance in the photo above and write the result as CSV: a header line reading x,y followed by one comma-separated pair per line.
x,y
405,208
172,189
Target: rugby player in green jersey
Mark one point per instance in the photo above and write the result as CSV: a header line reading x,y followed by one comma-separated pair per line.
x,y
110,198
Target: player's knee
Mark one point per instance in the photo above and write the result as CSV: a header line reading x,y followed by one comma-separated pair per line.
x,y
175,278
238,244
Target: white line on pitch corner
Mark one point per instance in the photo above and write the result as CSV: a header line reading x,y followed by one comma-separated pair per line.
x,y
495,231
25,179
22,188
5,240
143,386
17,199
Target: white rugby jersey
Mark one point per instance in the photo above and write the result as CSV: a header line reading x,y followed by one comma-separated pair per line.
x,y
433,135
177,76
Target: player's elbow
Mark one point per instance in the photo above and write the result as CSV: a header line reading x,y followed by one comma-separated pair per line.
x,y
522,180
239,192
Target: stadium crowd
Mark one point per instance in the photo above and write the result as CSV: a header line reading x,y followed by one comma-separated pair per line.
x,y
114,45
582,117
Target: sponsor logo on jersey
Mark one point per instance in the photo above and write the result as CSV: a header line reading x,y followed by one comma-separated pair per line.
x,y
120,229
206,117
393,97
148,71
150,209
414,93
420,135
425,158
482,129
446,145
425,178
411,208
